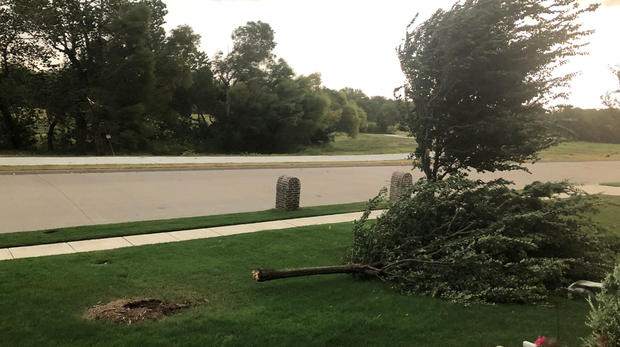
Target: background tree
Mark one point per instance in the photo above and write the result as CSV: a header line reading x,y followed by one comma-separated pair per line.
x,y
479,75
54,95
612,99
252,49
344,115
127,80
76,31
591,125
382,115
20,53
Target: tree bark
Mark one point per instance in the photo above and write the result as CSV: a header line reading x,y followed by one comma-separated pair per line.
x,y
10,124
261,275
81,132
50,135
97,136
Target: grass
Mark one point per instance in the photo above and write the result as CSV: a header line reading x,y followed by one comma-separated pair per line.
x,y
363,144
44,299
155,226
342,145
582,151
611,184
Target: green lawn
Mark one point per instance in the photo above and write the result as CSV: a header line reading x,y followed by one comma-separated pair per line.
x,y
44,299
155,226
364,144
342,145
611,184
582,151
382,144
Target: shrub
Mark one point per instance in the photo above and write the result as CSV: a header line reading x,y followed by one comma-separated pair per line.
x,y
470,241
604,318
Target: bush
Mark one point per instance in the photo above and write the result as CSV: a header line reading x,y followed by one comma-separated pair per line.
x,y
373,128
604,318
470,241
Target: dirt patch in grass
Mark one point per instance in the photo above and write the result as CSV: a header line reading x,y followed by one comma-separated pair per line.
x,y
130,311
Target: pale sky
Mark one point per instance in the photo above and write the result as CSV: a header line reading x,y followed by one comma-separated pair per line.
x,y
352,43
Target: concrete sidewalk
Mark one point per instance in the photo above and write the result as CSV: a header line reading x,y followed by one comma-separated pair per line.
x,y
146,160
174,236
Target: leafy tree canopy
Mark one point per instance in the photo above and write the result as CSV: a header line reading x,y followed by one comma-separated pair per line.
x,y
612,98
479,75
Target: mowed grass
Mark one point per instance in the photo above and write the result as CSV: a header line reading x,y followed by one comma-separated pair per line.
x,y
611,184
582,151
44,299
342,145
154,226
363,144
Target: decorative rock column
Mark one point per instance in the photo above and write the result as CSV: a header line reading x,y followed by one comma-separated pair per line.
x,y
401,183
287,193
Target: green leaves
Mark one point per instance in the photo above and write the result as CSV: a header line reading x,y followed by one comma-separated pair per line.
x,y
479,75
604,317
466,240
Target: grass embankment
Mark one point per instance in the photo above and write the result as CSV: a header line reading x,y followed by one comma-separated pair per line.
x,y
44,299
148,227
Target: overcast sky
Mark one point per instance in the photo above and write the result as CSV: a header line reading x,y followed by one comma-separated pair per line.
x,y
352,43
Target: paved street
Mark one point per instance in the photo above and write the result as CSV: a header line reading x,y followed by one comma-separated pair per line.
x,y
42,201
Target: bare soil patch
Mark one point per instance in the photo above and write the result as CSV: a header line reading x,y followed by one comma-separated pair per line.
x,y
130,311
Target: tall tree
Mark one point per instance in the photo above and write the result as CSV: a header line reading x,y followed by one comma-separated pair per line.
x,y
252,51
479,75
77,31
19,53
127,80
611,99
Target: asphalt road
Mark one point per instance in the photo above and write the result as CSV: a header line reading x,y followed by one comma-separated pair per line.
x,y
43,201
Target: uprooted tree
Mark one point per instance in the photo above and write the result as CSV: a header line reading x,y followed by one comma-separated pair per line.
x,y
471,241
478,75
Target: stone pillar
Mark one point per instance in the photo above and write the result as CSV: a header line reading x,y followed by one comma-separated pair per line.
x,y
401,182
287,193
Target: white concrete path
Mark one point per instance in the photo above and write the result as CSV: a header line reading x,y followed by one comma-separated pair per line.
x,y
32,161
173,236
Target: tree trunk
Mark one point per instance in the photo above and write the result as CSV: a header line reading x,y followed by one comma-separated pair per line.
x,y
426,165
50,135
81,132
97,136
261,275
11,124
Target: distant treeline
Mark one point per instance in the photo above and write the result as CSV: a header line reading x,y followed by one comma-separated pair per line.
x,y
96,77
588,125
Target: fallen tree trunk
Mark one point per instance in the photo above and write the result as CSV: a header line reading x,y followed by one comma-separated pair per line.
x,y
262,275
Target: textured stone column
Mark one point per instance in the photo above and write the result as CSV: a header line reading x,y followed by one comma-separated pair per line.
x,y
401,182
288,190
